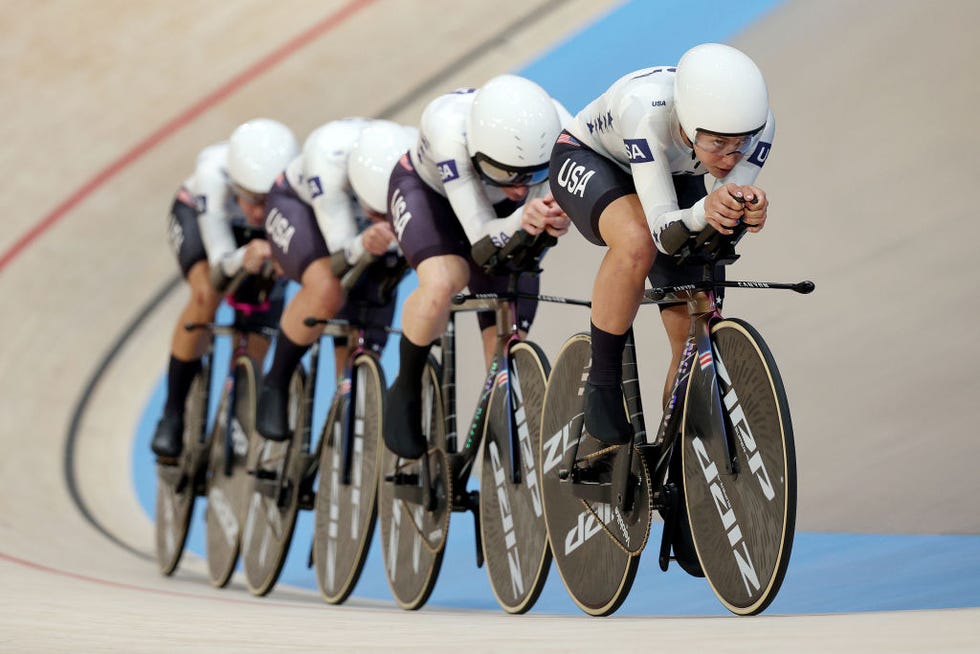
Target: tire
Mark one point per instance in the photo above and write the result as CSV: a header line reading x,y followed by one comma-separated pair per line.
x,y
515,537
345,513
273,496
413,538
178,486
742,525
595,547
228,482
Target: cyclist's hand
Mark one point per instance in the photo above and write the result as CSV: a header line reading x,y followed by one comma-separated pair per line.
x,y
257,252
755,209
722,209
377,238
544,214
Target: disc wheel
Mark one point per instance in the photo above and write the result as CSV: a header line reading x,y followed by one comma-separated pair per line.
x,y
742,524
228,479
274,495
414,529
596,546
178,485
346,509
515,537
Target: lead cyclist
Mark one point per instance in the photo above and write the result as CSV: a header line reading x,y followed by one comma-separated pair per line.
x,y
664,152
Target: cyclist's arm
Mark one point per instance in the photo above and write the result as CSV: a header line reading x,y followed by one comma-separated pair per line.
x,y
539,212
224,255
333,205
473,209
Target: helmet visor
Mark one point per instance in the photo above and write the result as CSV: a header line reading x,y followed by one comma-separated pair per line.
x,y
497,174
725,144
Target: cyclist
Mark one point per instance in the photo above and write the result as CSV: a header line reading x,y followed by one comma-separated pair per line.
x,y
662,153
325,211
476,175
216,232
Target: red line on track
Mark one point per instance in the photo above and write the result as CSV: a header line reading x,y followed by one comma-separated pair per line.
x,y
151,141
115,584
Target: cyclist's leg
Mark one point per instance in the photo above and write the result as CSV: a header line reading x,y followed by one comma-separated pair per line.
x,y
425,315
304,258
616,296
187,347
436,246
606,212
677,322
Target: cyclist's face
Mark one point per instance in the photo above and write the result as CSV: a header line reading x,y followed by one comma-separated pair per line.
x,y
718,153
254,212
251,204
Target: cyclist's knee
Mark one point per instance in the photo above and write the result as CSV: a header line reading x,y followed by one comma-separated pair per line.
x,y
443,285
322,289
635,248
327,295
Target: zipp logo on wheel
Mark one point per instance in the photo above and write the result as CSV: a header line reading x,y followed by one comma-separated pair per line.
x,y
586,527
530,478
739,548
737,415
506,521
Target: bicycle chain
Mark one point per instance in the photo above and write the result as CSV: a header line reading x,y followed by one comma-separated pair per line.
x,y
649,519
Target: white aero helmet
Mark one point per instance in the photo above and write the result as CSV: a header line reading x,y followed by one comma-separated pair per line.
x,y
511,128
719,89
369,166
258,152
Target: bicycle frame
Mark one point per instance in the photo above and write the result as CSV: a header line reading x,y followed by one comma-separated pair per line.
x,y
240,333
505,307
356,333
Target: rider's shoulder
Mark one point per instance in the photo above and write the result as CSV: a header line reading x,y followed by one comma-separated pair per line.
x,y
651,89
443,123
210,170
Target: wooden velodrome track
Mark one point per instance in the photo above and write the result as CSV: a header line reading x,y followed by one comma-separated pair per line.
x,y
105,105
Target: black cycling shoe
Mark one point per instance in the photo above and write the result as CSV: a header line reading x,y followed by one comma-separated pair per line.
x,y
270,413
403,422
605,414
168,440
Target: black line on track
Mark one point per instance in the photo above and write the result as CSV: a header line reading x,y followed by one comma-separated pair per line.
x,y
81,406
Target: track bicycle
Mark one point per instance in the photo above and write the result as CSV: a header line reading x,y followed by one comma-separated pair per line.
x,y
211,463
417,496
180,482
285,474
720,469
